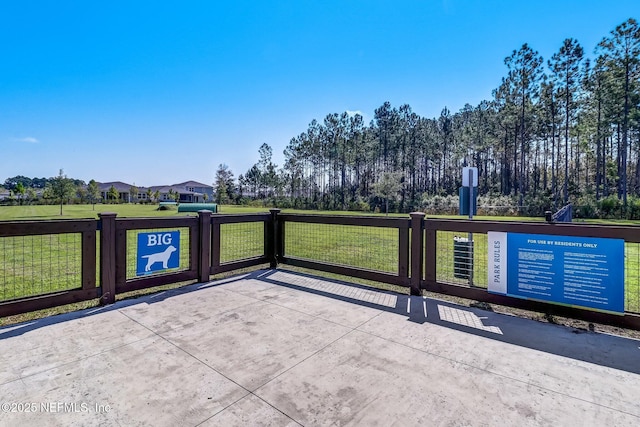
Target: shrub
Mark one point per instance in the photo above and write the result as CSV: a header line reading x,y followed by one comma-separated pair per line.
x,y
586,207
499,205
633,208
609,207
537,205
359,205
281,202
440,205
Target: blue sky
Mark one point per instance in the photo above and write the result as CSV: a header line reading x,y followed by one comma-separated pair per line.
x,y
151,92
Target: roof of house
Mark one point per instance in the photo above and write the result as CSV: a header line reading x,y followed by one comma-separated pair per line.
x,y
192,184
121,187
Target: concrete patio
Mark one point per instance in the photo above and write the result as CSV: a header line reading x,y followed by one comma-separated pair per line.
x,y
281,348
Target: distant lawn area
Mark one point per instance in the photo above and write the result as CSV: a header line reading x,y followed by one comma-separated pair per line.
x,y
361,247
35,212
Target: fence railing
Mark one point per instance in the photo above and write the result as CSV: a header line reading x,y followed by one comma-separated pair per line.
x,y
126,248
46,263
370,248
240,241
50,263
444,276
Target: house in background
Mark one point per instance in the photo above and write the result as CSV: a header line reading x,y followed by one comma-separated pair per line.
x,y
188,192
121,187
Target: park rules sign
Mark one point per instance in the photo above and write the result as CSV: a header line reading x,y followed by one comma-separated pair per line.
x,y
581,272
157,252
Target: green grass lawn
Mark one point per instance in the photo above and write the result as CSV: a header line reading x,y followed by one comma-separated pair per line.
x,y
37,212
372,248
33,265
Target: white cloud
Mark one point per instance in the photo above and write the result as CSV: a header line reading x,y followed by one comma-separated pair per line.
x,y
28,139
364,116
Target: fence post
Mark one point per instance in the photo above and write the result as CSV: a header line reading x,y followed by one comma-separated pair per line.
x,y
274,239
108,257
204,252
215,245
431,248
404,249
416,252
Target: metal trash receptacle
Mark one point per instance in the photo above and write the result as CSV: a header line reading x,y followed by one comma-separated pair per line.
x,y
462,257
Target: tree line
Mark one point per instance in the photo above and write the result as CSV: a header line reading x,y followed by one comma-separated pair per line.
x,y
556,131
564,130
55,190
60,189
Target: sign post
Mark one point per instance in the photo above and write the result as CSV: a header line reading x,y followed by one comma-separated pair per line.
x,y
469,192
471,206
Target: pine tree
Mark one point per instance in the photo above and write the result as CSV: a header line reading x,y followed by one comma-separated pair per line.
x,y
620,52
565,66
525,73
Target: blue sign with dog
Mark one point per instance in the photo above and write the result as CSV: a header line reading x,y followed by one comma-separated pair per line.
x,y
158,251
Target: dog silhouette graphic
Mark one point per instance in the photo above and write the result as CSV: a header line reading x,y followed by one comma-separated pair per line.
x,y
162,257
